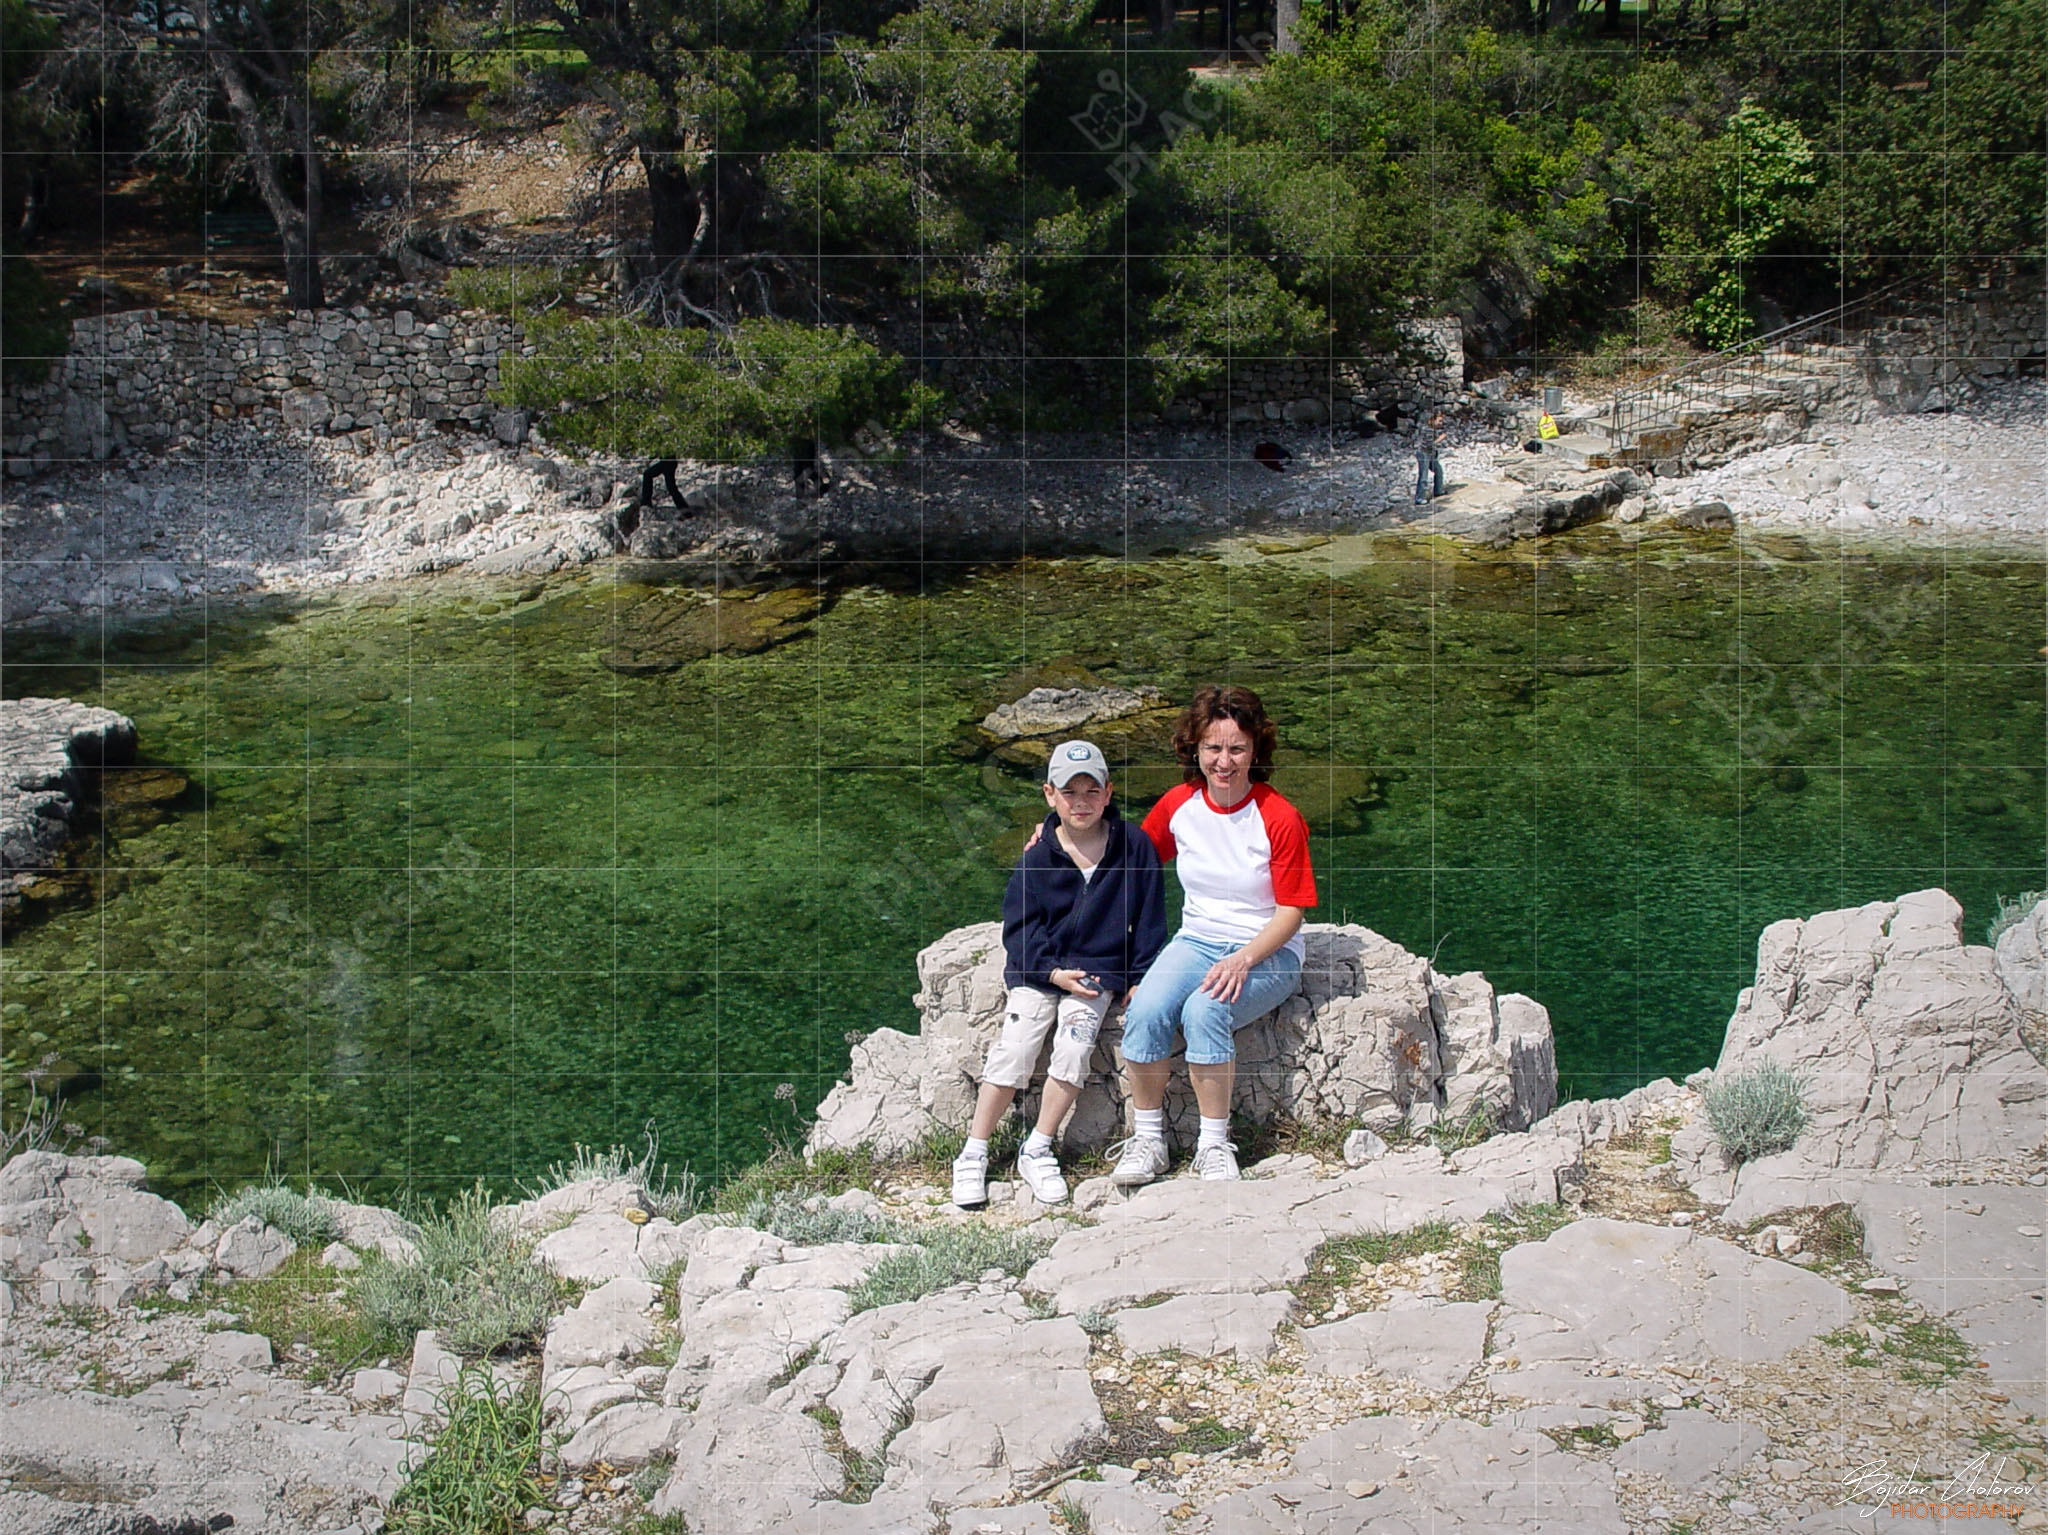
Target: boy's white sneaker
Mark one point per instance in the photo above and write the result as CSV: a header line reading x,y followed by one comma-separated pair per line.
x,y
1217,1163
1143,1160
970,1180
1041,1175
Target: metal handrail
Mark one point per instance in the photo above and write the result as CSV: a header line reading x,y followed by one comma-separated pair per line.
x,y
1665,399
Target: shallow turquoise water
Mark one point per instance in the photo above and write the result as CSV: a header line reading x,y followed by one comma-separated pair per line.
x,y
447,896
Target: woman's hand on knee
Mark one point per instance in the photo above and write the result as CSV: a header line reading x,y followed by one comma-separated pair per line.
x,y
1226,978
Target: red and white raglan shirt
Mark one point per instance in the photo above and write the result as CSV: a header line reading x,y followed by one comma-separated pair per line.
x,y
1235,865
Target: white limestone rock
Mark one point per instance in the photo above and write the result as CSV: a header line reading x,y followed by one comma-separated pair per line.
x,y
1535,1169
1436,1345
53,1206
46,747
1691,1447
1206,1325
598,1245
1908,1041
936,1357
880,1105
1479,1477
1373,1035
2023,962
249,1249
225,1353
628,1435
1604,1291
749,1469
609,1323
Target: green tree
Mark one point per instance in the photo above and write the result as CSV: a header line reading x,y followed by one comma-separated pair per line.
x,y
1720,203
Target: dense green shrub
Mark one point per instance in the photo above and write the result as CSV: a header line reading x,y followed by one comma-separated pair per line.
x,y
617,386
1756,1112
473,1280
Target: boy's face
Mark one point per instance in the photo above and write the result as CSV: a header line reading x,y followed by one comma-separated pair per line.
x,y
1079,802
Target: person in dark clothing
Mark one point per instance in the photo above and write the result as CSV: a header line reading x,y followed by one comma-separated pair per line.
x,y
1084,915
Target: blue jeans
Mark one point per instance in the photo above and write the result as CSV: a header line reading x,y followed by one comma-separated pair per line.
x,y
1427,462
1170,999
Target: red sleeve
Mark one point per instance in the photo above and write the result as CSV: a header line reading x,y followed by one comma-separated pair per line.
x,y
1294,882
1159,820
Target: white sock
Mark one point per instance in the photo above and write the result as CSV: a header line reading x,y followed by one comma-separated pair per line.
x,y
1037,1143
1215,1132
1150,1122
977,1146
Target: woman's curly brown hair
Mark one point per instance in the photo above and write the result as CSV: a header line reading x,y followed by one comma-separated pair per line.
x,y
1214,703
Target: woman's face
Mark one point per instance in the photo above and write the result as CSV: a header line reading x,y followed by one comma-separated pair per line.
x,y
1225,757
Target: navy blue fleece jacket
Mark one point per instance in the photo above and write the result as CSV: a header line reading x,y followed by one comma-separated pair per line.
x,y
1112,925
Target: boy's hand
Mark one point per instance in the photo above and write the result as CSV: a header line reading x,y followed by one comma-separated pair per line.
x,y
1031,841
1074,981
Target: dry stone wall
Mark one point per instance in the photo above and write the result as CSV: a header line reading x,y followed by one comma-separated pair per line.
x,y
1428,369
1925,362
146,380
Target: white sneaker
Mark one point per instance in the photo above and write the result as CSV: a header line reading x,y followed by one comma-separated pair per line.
x,y
1217,1164
1143,1160
1041,1175
970,1180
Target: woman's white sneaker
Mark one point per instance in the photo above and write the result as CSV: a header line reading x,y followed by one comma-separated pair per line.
x,y
1217,1163
1041,1175
970,1180
1143,1160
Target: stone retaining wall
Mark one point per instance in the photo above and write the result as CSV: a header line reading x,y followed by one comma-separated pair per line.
x,y
1429,369
1913,363
144,380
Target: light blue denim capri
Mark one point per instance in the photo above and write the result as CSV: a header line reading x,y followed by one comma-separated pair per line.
x,y
1170,1000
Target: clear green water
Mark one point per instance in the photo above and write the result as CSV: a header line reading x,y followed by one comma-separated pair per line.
x,y
447,896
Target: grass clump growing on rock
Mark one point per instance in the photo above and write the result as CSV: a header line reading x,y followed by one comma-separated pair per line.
x,y
483,1469
309,1219
474,1282
946,1256
672,1195
809,1221
1757,1112
2010,914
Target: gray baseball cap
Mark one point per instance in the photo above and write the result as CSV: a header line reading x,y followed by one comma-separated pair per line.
x,y
1071,757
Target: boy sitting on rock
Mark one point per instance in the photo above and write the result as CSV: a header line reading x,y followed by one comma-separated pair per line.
x,y
1084,914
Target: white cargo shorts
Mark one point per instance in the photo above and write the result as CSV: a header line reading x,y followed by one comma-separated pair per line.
x,y
1027,1017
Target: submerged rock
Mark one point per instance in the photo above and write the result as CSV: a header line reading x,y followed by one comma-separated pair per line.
x,y
1065,711
672,629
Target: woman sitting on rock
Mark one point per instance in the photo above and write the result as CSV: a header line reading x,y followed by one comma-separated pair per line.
x,y
1242,852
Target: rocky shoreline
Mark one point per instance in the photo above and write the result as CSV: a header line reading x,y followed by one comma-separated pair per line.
x,y
48,746
243,511
1592,1323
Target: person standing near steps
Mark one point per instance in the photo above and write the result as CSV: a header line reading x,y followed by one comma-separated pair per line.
x,y
1242,853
